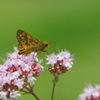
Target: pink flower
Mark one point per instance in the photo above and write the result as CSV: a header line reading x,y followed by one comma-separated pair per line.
x,y
59,63
52,59
90,93
18,72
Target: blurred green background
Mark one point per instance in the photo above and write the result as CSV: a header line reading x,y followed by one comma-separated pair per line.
x,y
74,25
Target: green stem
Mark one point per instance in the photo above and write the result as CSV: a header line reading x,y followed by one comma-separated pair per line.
x,y
54,84
31,91
35,95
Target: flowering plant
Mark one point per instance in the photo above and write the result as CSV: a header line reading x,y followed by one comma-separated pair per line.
x,y
18,72
90,93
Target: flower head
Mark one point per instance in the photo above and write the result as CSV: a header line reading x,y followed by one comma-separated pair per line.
x,y
59,63
90,93
18,72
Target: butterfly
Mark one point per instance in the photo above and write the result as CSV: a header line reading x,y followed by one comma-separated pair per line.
x,y
28,44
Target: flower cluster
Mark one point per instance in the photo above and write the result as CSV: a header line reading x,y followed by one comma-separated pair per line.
x,y
90,93
59,63
18,72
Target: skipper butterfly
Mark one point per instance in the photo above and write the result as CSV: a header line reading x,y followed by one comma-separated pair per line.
x,y
28,44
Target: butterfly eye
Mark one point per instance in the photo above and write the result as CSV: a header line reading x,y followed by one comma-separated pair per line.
x,y
46,45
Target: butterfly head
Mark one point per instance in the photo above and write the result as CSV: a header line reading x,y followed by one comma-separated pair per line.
x,y
46,44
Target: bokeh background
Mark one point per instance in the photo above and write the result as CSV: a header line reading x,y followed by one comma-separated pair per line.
x,y
73,25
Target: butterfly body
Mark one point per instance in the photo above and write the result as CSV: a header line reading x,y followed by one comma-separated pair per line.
x,y
28,44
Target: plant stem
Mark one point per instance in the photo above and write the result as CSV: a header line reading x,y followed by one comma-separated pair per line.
x,y
35,95
54,84
31,91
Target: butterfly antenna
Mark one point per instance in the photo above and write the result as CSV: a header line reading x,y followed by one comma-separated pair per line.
x,y
52,45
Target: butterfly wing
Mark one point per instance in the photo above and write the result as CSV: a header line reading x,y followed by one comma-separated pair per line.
x,y
27,43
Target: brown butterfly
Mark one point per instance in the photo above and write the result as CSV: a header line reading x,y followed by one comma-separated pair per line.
x,y
28,44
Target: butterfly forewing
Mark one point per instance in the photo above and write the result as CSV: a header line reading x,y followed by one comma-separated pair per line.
x,y
28,44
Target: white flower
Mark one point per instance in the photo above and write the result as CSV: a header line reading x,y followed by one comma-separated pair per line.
x,y
14,94
19,83
52,59
30,78
63,55
3,95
